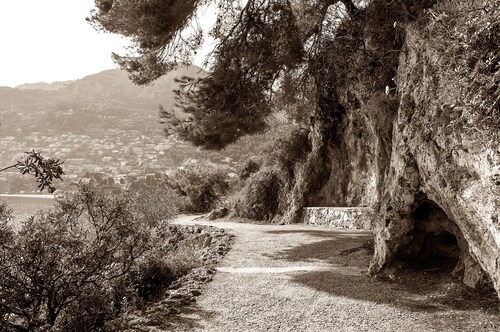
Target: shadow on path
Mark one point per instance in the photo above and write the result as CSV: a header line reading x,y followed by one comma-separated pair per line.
x,y
433,291
340,249
322,232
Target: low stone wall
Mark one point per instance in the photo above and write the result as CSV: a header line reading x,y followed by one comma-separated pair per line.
x,y
342,217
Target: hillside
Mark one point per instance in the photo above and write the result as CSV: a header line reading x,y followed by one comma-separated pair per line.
x,y
100,123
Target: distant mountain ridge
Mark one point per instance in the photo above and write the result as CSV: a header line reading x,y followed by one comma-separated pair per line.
x,y
44,86
116,84
107,85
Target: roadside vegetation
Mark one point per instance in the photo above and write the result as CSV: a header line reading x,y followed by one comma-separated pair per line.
x,y
96,258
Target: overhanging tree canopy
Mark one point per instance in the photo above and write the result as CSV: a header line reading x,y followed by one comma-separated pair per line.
x,y
263,45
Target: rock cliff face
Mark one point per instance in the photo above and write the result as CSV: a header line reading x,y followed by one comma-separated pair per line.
x,y
359,156
444,166
425,155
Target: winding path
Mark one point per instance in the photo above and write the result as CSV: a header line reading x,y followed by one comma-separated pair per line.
x,y
302,278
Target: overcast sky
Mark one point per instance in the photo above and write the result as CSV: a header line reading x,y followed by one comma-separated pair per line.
x,y
49,40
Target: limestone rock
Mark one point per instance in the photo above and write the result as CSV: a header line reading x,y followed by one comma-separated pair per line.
x,y
450,166
425,156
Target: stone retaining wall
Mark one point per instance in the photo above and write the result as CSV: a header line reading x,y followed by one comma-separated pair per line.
x,y
343,217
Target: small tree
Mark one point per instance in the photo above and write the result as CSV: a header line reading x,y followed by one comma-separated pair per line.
x,y
265,183
68,259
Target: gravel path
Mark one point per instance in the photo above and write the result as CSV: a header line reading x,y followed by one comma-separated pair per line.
x,y
303,278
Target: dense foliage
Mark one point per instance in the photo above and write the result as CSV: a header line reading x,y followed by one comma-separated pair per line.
x,y
62,259
266,181
84,264
262,195
463,41
252,165
154,202
195,188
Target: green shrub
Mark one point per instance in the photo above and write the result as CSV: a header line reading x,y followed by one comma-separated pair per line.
x,y
6,232
152,278
202,186
93,309
163,265
87,263
260,199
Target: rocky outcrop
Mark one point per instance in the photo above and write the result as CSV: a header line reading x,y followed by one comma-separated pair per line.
x,y
358,156
425,155
446,152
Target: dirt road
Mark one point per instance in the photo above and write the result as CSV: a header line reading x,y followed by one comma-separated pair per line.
x,y
302,278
